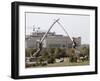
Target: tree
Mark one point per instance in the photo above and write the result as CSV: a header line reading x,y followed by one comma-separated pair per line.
x,y
51,55
45,55
51,59
72,56
85,52
40,60
57,52
26,53
71,52
52,50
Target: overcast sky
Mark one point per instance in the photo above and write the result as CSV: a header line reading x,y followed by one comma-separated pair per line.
x,y
75,25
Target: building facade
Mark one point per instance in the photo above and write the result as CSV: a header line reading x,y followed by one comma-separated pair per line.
x,y
52,40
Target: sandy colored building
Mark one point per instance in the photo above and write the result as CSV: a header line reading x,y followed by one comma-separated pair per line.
x,y
52,40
